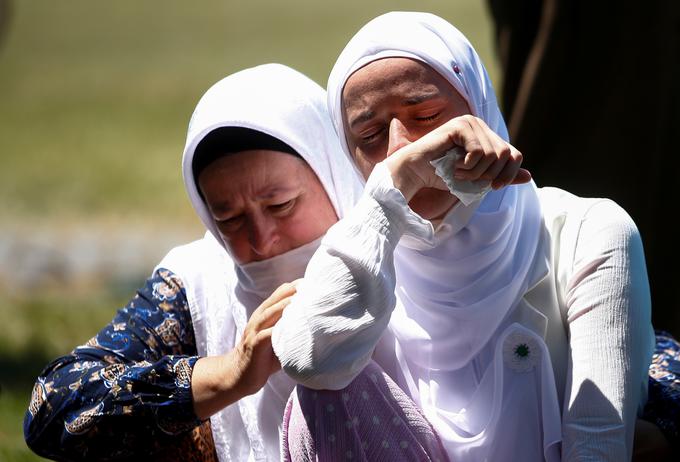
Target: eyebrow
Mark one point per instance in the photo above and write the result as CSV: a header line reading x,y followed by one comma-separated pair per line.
x,y
362,117
421,98
413,100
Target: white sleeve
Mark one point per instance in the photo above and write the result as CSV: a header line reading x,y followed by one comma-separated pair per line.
x,y
611,337
342,306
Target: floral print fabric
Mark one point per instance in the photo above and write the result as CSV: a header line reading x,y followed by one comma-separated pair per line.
x,y
663,403
127,391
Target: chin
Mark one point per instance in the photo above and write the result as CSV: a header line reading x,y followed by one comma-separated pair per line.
x,y
432,203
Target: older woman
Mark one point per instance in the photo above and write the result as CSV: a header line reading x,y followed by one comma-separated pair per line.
x,y
521,324
262,171
261,168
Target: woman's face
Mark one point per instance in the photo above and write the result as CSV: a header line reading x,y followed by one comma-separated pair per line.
x,y
392,102
265,203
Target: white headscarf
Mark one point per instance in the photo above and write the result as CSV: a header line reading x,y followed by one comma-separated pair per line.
x,y
281,102
459,291
427,38
285,104
453,297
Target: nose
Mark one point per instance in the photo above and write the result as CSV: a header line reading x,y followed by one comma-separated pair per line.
x,y
263,236
398,136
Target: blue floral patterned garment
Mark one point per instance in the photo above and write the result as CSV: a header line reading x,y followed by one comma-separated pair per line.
x,y
126,392
663,404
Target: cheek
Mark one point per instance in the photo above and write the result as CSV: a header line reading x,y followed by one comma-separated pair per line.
x,y
366,162
365,159
312,221
238,247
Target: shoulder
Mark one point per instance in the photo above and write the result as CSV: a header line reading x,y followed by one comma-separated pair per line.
x,y
587,229
579,217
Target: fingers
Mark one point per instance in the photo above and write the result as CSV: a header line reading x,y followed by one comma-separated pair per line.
x,y
272,314
488,156
284,290
487,153
264,338
270,310
504,171
266,316
523,176
255,360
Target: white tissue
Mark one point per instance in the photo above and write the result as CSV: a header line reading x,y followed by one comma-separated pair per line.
x,y
467,191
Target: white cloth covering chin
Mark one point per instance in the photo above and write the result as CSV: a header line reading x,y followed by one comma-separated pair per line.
x,y
262,278
283,103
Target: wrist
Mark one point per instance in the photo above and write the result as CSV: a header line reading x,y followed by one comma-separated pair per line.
x,y
232,374
214,384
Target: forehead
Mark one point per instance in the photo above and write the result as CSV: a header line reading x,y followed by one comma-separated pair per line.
x,y
402,78
253,170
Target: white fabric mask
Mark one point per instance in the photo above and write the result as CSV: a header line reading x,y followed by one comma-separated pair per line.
x,y
261,278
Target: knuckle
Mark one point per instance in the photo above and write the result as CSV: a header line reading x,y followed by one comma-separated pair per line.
x,y
475,148
505,153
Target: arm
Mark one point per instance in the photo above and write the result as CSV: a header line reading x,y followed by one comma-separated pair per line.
x,y
138,383
343,304
219,381
125,391
345,300
608,315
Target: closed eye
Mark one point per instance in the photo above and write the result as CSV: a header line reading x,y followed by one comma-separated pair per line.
x,y
428,118
230,224
371,136
282,207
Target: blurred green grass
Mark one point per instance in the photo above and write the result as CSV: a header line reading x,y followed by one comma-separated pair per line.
x,y
95,98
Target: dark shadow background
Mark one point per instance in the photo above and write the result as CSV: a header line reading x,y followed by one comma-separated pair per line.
x,y
591,93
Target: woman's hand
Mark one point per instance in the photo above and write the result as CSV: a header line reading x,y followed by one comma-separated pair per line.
x,y
218,381
488,157
254,356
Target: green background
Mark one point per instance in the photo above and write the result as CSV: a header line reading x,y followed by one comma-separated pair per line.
x,y
95,98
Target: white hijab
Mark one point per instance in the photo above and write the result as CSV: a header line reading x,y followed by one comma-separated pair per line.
x,y
454,296
285,104
459,291
281,102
